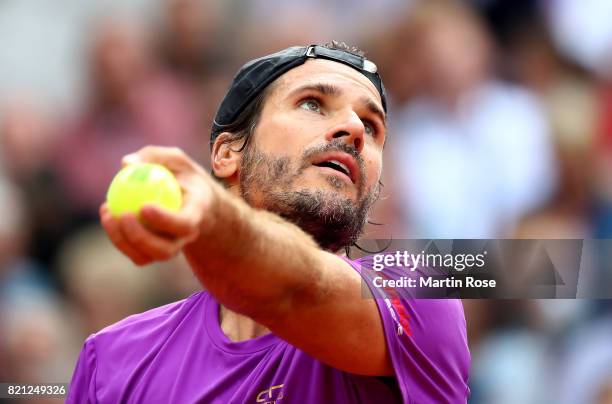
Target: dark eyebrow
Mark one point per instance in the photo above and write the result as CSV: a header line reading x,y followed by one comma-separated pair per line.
x,y
323,88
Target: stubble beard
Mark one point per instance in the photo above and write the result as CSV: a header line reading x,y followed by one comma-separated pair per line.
x,y
332,219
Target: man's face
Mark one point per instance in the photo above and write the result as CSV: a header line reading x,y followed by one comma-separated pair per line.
x,y
316,155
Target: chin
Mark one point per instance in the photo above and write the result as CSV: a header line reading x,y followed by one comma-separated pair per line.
x,y
331,182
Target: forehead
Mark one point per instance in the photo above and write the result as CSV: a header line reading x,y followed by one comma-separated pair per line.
x,y
316,71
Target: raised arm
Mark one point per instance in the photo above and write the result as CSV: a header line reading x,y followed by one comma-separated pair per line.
x,y
259,265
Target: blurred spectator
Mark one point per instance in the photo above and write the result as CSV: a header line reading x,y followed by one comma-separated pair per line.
x,y
586,365
19,275
38,339
605,393
190,39
280,25
132,103
28,140
569,97
192,45
603,166
178,281
35,343
473,154
506,360
12,234
583,31
294,22
103,284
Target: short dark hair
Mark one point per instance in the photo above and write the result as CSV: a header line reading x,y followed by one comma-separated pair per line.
x,y
246,122
347,48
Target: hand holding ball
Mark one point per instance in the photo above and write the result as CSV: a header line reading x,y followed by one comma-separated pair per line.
x,y
143,183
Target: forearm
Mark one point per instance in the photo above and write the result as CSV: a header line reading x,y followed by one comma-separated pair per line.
x,y
259,265
251,260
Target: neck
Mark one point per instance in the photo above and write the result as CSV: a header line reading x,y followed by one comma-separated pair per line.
x,y
242,328
238,327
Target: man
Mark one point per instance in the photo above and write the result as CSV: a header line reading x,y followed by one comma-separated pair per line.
x,y
297,143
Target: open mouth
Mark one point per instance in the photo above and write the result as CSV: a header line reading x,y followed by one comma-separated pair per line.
x,y
342,163
336,165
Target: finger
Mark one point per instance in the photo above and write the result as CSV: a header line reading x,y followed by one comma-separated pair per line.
x,y
146,241
172,158
111,226
174,224
132,158
103,209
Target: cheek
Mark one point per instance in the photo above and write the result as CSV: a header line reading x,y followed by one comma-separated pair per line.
x,y
373,167
282,137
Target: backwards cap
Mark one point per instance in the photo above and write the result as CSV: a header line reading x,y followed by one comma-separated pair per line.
x,y
257,74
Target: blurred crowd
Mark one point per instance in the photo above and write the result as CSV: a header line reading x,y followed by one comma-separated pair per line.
x,y
500,126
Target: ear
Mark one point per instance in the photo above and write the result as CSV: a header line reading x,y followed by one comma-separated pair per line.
x,y
224,159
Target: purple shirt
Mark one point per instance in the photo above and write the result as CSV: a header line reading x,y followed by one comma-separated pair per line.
x,y
178,354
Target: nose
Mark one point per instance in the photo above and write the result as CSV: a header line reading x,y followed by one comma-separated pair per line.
x,y
350,129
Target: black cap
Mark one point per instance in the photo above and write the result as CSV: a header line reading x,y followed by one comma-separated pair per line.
x,y
257,74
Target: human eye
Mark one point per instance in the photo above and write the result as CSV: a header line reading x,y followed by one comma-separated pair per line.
x,y
310,104
370,129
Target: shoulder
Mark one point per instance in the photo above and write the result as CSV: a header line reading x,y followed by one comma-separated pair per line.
x,y
149,325
426,340
442,311
114,354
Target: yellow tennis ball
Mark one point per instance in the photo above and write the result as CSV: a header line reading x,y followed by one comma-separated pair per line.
x,y
141,183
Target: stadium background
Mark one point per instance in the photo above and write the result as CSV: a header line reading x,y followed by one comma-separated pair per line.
x,y
500,127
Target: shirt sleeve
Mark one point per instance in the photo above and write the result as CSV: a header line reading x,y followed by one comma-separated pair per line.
x,y
426,339
83,384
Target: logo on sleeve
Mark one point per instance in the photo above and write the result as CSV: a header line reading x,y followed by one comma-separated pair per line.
x,y
271,396
403,324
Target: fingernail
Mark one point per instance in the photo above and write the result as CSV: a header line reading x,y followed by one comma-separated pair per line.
x,y
130,159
